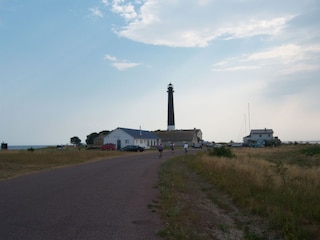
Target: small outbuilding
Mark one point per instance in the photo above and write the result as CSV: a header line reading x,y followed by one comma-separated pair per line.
x,y
98,141
4,146
179,137
122,137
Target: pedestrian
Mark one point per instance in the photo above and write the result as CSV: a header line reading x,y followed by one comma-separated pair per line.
x,y
172,147
185,146
160,149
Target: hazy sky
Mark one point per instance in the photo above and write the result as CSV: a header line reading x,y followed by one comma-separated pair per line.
x,y
70,68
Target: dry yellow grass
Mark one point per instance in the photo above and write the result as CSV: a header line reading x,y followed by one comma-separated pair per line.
x,y
280,183
18,162
251,163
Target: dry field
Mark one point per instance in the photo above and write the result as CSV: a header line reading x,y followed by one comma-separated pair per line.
x,y
14,163
279,186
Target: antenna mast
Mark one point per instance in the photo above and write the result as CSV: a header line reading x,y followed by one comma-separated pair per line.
x,y
249,116
245,124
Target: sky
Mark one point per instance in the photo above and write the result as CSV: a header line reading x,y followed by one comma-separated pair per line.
x,y
72,68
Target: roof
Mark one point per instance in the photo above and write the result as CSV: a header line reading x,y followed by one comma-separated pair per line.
x,y
261,131
176,135
139,134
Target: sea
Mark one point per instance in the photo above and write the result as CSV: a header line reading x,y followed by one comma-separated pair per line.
x,y
25,147
302,142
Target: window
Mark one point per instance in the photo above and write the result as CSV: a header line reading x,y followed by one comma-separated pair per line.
x,y
126,141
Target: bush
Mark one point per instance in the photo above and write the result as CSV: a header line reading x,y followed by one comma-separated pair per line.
x,y
311,151
221,152
31,149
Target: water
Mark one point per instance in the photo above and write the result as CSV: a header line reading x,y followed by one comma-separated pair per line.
x,y
302,142
25,147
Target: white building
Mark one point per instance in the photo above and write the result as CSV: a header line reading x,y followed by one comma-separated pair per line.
x,y
122,137
259,137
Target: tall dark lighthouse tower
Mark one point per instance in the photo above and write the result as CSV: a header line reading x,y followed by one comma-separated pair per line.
x,y
170,108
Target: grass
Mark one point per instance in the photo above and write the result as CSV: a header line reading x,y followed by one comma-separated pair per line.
x,y
15,163
178,220
280,184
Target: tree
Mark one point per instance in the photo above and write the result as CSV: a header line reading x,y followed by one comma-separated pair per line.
x,y
90,137
104,132
75,140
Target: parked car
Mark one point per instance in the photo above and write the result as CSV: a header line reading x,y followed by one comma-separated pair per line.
x,y
197,145
217,145
132,148
108,146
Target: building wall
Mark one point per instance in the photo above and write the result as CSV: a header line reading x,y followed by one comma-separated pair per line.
x,y
146,143
180,137
199,134
263,136
98,141
258,137
126,139
118,134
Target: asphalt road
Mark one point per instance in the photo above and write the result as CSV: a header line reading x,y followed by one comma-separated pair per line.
x,y
100,200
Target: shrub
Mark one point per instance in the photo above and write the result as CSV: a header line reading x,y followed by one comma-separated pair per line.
x,y
221,152
310,151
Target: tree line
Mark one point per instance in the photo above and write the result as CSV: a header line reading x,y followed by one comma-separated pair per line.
x,y
90,138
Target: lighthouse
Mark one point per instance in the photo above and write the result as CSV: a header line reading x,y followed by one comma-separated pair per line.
x,y
170,108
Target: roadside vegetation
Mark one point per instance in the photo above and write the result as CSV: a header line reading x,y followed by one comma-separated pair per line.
x,y
15,163
243,193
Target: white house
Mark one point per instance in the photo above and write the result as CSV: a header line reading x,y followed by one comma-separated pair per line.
x,y
122,137
259,137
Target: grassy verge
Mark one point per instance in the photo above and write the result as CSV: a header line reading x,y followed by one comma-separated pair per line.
x,y
281,185
14,163
179,221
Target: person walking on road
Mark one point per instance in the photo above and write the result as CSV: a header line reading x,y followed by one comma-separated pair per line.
x,y
185,146
160,149
172,147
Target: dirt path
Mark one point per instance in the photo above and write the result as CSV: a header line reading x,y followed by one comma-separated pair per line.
x,y
200,211
219,217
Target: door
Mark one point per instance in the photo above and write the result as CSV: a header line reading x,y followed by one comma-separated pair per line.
x,y
118,144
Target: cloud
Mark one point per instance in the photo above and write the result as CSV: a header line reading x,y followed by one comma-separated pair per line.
x,y
254,27
125,10
197,23
120,65
124,65
286,59
105,2
301,67
285,54
95,12
109,57
236,68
